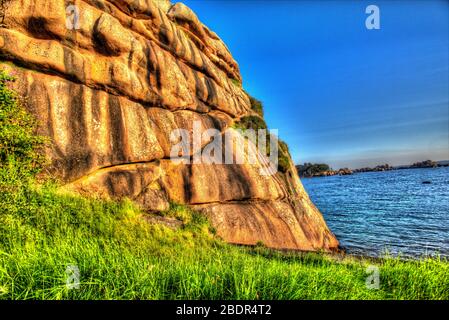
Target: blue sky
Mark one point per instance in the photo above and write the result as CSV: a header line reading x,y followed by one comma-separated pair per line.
x,y
338,92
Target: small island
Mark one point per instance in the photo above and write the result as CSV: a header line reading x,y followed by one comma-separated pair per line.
x,y
309,170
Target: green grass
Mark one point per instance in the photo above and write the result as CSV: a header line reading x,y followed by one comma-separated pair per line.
x,y
120,255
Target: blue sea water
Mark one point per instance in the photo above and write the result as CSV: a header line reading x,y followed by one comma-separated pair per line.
x,y
377,212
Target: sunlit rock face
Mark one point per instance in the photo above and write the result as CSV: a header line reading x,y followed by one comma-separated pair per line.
x,y
110,88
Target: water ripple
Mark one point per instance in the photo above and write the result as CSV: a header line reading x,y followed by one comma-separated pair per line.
x,y
376,212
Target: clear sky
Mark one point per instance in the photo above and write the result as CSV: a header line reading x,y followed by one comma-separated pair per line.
x,y
338,92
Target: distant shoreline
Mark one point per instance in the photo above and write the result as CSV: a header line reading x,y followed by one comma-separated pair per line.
x,y
309,170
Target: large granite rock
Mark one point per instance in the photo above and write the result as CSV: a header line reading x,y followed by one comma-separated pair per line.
x,y
110,91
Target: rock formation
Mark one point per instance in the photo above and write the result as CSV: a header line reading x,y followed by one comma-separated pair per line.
x,y
110,80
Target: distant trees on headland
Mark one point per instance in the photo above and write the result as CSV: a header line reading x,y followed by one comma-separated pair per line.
x,y
319,170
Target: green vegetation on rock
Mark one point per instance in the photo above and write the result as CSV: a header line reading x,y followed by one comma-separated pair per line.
x,y
120,255
236,82
251,122
283,157
21,156
256,105
310,169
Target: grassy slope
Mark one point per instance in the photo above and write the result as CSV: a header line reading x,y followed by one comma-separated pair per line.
x,y
121,256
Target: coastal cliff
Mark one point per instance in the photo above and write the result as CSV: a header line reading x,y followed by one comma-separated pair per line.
x,y
109,88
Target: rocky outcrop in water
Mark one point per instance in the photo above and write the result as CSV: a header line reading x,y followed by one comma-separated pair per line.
x,y
382,167
110,87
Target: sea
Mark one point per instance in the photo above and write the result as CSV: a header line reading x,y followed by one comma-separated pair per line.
x,y
401,213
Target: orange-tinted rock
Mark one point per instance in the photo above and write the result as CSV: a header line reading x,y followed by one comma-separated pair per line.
x,y
110,93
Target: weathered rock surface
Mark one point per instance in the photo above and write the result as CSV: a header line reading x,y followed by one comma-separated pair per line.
x,y
109,94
